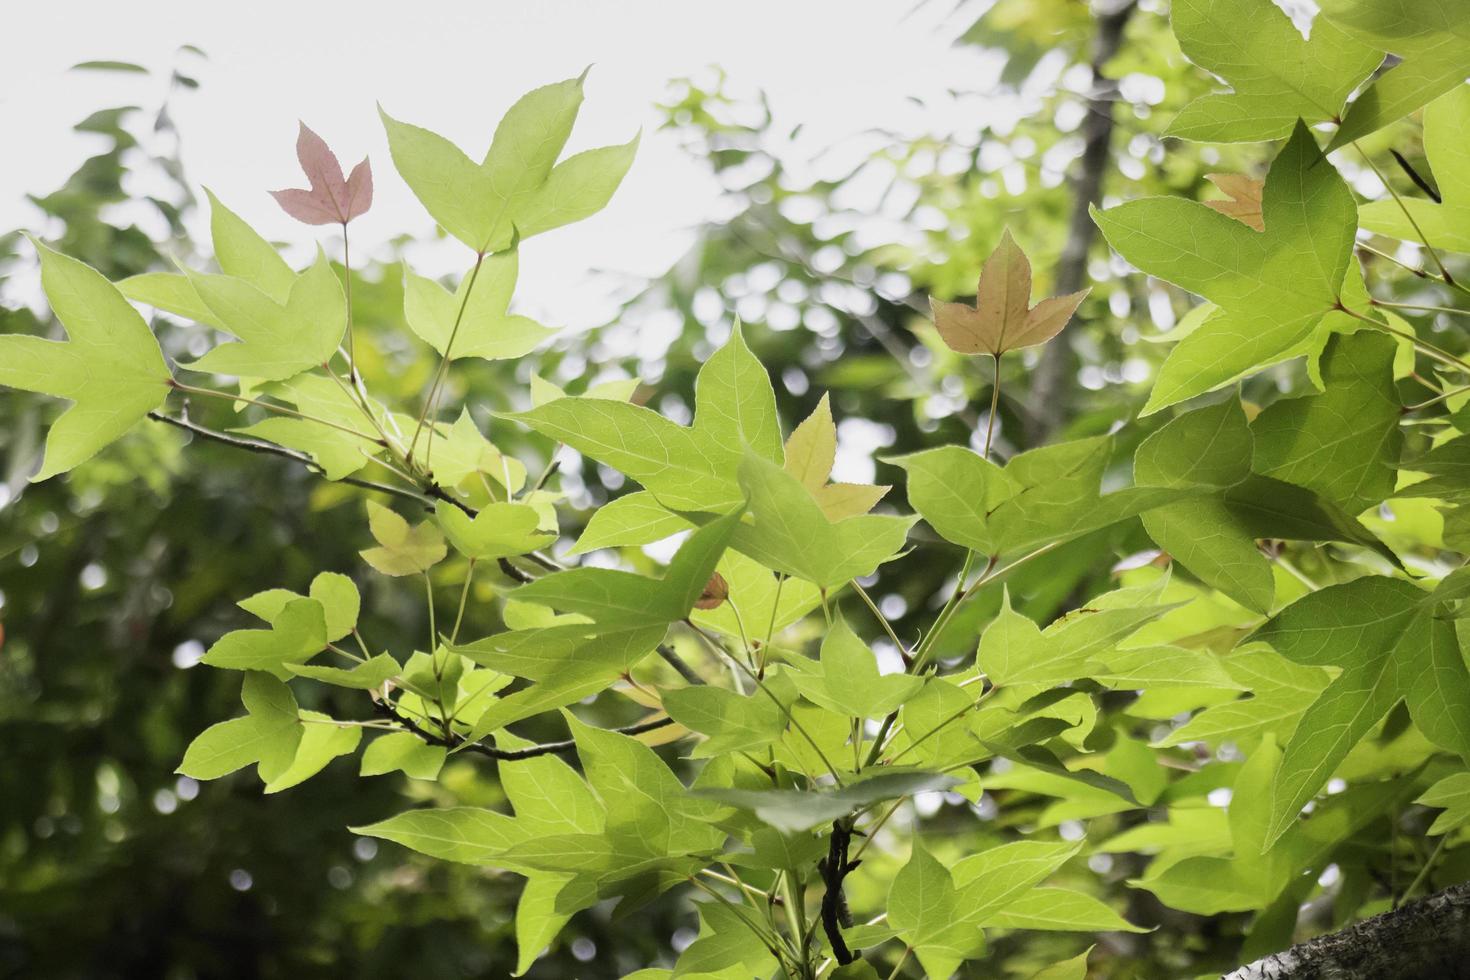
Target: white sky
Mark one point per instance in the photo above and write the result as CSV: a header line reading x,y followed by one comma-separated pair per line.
x,y
838,67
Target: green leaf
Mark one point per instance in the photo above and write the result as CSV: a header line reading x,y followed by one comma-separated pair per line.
x,y
642,795
402,549
519,188
485,328
1452,795
1385,636
1013,650
924,907
539,917
1277,75
548,795
634,519
734,404
1059,910
1432,38
111,369
277,338
568,663
1207,448
1280,693
366,676
337,594
1072,969
849,681
321,742
1040,497
1345,443
1272,288
686,469
1446,225
499,530
616,599
792,811
761,597
468,835
297,633
725,941
338,452
402,751
789,532
267,735
992,880
731,722
242,253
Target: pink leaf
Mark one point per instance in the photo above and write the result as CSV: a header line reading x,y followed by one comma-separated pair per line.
x,y
331,199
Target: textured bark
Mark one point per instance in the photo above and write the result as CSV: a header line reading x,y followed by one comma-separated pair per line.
x,y
1052,384
1429,939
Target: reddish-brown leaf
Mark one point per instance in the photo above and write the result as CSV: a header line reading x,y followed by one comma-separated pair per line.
x,y
716,591
1003,318
332,200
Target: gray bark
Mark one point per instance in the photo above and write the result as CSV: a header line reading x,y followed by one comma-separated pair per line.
x,y
1052,384
1426,940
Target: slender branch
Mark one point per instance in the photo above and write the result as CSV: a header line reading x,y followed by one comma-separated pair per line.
x,y
270,449
564,747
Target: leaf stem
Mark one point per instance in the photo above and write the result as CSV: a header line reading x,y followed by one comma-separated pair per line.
x,y
464,593
994,407
443,367
1423,874
1443,272
882,621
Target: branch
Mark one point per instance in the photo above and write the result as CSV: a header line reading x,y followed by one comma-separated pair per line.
x,y
834,868
566,746
271,449
1051,386
1424,939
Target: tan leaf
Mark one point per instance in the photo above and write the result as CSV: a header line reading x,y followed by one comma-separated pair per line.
x,y
840,501
1002,318
810,452
1244,204
812,448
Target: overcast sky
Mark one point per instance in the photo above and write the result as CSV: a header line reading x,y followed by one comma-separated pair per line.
x,y
836,66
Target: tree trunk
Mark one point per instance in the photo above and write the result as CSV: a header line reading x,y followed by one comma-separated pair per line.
x,y
1429,939
1052,383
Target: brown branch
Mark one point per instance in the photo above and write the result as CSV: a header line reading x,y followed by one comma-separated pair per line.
x,y
834,868
271,449
564,747
1430,938
1051,383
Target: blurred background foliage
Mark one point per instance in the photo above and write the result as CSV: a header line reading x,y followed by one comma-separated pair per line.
x,y
115,579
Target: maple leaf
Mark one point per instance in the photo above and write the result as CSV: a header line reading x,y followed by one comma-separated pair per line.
x,y
1273,287
331,199
1274,73
810,452
1003,318
1431,37
1244,204
1444,224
